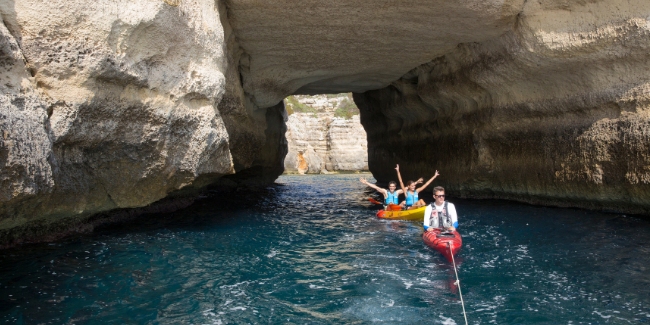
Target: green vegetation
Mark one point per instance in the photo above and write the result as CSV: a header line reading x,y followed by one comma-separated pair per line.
x,y
294,106
289,109
347,109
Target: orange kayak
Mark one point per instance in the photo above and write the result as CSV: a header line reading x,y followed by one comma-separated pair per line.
x,y
413,214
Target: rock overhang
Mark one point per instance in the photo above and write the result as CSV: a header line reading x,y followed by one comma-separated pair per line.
x,y
314,47
183,93
525,92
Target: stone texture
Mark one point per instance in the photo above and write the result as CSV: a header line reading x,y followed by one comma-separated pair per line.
x,y
25,146
555,111
329,138
322,143
312,47
248,125
347,145
119,104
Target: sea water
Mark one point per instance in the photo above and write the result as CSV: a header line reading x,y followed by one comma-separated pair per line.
x,y
309,250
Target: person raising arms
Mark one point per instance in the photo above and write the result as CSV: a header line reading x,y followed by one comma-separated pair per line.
x,y
412,193
390,195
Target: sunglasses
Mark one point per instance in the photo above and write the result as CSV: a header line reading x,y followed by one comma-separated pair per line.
x,y
439,195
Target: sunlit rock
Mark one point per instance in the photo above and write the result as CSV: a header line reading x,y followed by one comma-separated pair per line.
x,y
328,138
111,105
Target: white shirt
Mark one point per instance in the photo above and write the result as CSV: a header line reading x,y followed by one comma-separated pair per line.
x,y
451,210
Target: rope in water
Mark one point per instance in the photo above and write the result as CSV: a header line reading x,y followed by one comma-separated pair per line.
x,y
458,282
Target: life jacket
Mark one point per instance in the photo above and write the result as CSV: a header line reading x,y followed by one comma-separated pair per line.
x,y
391,197
411,198
439,220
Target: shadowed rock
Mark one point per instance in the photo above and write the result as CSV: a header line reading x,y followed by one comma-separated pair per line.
x,y
110,105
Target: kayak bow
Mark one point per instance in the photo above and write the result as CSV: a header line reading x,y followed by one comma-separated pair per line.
x,y
441,242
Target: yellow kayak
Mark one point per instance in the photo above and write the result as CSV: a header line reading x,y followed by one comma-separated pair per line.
x,y
413,214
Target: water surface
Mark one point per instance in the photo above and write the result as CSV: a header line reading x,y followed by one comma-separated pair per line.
x,y
309,250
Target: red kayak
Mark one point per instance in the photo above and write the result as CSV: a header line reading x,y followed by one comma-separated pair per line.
x,y
442,241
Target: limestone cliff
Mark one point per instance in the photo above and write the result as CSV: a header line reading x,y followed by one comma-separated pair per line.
x,y
322,143
324,135
540,101
107,105
555,111
117,104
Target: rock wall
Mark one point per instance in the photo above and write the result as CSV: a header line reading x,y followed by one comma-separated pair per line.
x,y
555,111
111,104
315,47
322,143
119,104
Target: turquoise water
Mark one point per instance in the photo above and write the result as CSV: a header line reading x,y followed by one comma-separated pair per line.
x,y
309,250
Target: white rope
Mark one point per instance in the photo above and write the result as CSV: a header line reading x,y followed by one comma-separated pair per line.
x,y
458,282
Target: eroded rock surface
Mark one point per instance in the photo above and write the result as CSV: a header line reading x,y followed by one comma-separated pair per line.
x,y
554,111
108,105
321,143
313,47
118,104
25,145
324,135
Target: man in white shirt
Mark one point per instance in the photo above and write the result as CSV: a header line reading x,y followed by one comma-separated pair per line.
x,y
440,214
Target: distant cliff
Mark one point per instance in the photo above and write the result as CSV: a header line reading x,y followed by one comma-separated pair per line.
x,y
324,135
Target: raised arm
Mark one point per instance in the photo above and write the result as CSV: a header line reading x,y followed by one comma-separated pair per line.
x,y
428,182
401,183
377,188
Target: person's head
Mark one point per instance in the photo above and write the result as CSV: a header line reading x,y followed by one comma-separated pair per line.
x,y
411,186
439,194
392,186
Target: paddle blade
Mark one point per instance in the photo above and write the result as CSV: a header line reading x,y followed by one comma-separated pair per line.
x,y
374,201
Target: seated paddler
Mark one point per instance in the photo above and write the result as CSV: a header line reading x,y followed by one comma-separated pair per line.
x,y
390,195
440,214
412,201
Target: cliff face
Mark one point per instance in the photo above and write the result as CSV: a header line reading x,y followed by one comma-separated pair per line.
x,y
107,105
555,111
324,135
321,143
118,104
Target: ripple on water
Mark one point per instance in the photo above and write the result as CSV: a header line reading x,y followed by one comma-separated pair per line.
x,y
309,250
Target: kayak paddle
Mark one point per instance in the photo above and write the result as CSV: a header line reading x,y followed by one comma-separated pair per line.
x,y
374,201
